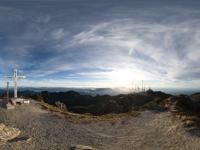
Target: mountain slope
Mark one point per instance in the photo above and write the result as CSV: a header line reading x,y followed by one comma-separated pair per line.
x,y
49,131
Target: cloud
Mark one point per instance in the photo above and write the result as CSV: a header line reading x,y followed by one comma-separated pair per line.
x,y
92,43
58,34
166,48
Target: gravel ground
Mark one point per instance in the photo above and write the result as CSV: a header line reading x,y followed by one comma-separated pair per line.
x,y
51,131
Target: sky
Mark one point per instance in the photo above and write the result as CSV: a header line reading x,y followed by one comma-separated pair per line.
x,y
101,43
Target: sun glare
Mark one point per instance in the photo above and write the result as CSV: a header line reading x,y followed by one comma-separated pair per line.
x,y
125,77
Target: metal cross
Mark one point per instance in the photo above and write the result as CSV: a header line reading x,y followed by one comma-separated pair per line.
x,y
15,78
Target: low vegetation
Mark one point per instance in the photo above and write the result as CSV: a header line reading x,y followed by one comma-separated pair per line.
x,y
185,108
105,107
86,118
102,105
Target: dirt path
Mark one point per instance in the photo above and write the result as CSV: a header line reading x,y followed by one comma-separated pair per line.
x,y
50,131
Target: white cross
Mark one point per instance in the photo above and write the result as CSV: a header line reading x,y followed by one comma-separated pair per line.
x,y
15,78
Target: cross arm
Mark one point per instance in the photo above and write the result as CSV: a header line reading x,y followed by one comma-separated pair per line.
x,y
10,77
21,77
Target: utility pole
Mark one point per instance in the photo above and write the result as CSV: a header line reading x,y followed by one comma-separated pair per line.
x,y
8,91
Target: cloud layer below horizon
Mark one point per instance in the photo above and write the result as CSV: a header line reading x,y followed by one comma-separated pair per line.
x,y
101,44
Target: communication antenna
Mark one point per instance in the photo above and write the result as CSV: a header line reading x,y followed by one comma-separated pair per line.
x,y
142,86
15,78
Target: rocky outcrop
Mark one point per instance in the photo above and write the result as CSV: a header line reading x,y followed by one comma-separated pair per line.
x,y
7,133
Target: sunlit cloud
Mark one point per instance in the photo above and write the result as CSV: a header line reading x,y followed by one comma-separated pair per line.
x,y
69,44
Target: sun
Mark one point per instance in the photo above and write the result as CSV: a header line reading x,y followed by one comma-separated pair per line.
x,y
126,77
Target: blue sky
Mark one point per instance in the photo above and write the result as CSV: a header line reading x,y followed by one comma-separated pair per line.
x,y
101,43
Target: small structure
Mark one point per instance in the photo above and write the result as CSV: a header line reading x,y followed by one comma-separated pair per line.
x,y
15,101
26,101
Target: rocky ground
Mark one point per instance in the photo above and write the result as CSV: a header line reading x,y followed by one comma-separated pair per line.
x,y
45,130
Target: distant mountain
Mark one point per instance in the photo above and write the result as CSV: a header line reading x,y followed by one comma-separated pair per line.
x,y
98,91
83,91
98,104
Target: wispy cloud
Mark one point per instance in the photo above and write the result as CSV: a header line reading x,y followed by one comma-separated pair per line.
x,y
75,43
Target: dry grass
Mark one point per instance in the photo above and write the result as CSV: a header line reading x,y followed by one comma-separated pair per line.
x,y
87,118
188,119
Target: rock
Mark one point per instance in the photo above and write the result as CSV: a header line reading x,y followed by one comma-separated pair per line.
x,y
8,133
82,147
28,139
61,105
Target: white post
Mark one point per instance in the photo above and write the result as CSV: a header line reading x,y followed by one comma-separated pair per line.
x,y
8,91
15,83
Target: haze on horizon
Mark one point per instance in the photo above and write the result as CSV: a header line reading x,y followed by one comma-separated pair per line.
x,y
90,43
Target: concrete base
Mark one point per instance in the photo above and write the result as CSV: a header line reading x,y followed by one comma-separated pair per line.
x,y
10,106
20,101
